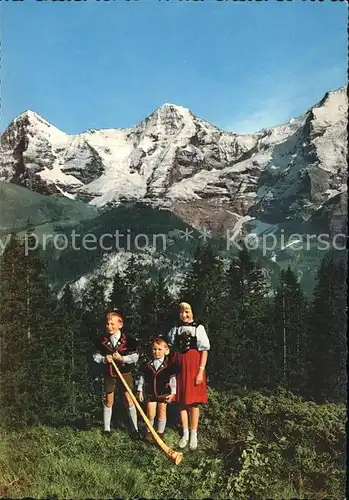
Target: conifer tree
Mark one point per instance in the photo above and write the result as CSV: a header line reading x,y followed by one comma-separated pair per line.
x,y
13,332
154,309
26,321
203,285
289,321
249,319
163,306
71,356
134,281
41,332
327,343
94,304
120,295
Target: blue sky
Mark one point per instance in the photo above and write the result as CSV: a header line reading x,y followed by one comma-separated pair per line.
x,y
101,64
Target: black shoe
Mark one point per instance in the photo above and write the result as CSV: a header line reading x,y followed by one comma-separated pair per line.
x,y
107,434
135,435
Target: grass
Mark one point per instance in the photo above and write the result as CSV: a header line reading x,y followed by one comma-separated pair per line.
x,y
43,462
67,463
251,446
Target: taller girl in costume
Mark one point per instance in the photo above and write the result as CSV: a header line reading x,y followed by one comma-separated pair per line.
x,y
191,345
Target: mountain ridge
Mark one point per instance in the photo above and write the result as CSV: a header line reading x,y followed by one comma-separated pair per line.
x,y
173,159
32,112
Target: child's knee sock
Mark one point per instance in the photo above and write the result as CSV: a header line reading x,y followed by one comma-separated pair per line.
x,y
184,439
161,425
107,412
133,416
193,438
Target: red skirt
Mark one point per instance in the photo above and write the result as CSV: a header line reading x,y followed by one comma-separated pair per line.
x,y
187,392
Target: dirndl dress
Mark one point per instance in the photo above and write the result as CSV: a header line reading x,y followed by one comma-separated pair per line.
x,y
188,362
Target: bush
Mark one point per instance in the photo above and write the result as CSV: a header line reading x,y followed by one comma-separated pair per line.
x,y
267,441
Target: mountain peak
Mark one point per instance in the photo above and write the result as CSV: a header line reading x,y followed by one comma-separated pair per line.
x,y
30,118
168,119
30,114
173,109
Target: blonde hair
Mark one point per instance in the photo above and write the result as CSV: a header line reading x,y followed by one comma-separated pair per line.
x,y
184,305
114,314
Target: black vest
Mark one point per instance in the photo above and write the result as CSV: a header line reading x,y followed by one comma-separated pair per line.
x,y
125,345
157,382
185,337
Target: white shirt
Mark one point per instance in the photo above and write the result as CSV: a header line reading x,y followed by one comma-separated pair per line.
x,y
114,339
157,362
203,343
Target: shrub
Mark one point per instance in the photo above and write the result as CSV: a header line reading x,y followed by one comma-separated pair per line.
x,y
264,441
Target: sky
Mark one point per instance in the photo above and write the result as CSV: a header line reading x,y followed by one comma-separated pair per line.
x,y
108,64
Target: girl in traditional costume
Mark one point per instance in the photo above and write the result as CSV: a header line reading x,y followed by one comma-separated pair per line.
x,y
191,345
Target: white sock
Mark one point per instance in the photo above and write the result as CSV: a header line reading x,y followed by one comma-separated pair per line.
x,y
133,415
184,439
193,438
161,425
152,423
107,411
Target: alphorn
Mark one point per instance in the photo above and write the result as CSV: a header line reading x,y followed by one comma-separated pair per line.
x,y
172,454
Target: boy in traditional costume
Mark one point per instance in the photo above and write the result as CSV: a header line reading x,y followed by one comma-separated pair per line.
x,y
122,349
190,341
157,384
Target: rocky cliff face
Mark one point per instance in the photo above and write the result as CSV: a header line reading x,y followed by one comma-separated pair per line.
x,y
210,177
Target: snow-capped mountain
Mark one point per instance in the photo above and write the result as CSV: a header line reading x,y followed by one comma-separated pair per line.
x,y
174,173
148,161
173,159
